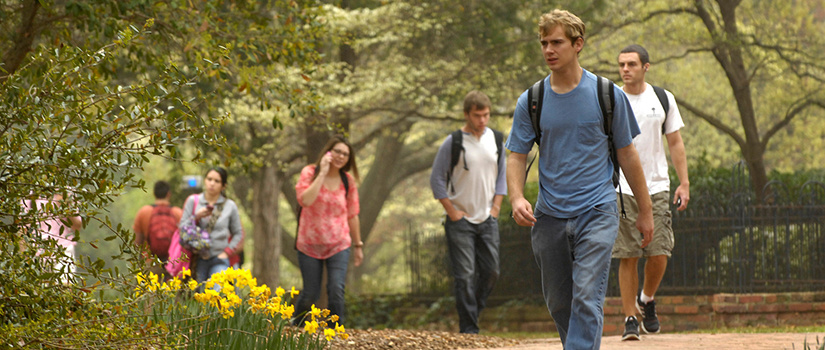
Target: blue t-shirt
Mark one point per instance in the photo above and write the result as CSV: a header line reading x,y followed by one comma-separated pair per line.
x,y
575,169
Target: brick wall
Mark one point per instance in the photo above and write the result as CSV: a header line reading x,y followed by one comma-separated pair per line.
x,y
681,313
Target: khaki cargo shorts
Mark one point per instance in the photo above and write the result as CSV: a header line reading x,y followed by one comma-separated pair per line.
x,y
629,241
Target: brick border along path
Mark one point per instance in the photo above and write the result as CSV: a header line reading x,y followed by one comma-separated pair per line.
x,y
697,341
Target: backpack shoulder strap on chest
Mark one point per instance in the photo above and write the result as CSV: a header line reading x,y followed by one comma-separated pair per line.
x,y
345,181
607,103
499,136
456,147
534,99
662,96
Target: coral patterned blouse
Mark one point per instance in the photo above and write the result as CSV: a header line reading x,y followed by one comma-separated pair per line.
x,y
324,227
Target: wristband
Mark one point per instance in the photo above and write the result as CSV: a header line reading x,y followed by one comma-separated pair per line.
x,y
359,244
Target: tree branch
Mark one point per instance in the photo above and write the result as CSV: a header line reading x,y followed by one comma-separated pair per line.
x,y
713,121
793,112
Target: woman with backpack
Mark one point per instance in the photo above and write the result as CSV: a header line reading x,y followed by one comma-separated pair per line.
x,y
329,228
219,216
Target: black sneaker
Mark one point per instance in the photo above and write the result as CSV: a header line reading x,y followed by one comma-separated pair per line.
x,y
631,329
650,322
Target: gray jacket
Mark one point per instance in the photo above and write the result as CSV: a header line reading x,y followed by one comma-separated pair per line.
x,y
227,232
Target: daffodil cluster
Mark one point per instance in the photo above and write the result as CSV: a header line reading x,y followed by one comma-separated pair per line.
x,y
318,319
225,290
152,283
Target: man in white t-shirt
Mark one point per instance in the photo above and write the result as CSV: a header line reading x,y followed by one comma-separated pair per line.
x,y
658,118
469,180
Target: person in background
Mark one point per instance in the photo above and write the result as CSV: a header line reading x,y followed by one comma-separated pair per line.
x,y
154,226
471,192
654,122
329,228
220,217
56,228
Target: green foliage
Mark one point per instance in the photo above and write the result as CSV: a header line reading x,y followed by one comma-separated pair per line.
x,y
69,131
376,311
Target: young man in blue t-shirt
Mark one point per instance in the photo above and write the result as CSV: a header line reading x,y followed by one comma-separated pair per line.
x,y
576,218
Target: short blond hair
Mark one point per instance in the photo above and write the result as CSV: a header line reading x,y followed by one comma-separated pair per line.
x,y
572,24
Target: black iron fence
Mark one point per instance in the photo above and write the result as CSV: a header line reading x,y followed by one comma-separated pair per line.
x,y
724,243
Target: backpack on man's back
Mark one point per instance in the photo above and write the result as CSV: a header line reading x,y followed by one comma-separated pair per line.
x,y
162,226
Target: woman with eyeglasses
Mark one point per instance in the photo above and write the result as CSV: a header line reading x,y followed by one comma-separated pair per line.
x,y
329,229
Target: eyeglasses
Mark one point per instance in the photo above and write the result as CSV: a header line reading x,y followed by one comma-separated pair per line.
x,y
340,153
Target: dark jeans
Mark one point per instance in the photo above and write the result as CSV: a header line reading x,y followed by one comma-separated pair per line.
x,y
474,259
311,272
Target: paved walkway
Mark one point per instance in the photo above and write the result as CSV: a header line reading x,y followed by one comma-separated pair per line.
x,y
700,341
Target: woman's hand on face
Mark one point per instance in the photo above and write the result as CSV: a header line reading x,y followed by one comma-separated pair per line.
x,y
325,161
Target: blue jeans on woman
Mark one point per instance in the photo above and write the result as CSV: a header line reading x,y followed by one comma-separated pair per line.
x,y
573,255
475,267
311,273
208,267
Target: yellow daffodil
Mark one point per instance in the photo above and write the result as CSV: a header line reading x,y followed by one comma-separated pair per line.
x,y
280,291
339,328
193,284
234,299
293,292
174,284
186,273
334,318
287,311
316,312
329,334
141,278
311,326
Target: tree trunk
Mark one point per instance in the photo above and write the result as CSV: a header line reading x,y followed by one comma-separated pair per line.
x,y
26,33
728,52
266,184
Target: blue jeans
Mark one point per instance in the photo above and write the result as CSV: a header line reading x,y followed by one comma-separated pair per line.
x,y
312,271
207,268
475,266
573,255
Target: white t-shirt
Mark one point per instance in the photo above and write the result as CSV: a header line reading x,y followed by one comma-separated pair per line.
x,y
475,187
650,143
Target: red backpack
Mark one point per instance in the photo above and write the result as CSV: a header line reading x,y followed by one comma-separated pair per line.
x,y
162,226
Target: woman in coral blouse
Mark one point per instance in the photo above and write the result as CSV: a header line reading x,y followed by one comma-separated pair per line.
x,y
329,229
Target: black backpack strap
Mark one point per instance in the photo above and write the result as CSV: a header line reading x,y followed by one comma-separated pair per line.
x,y
660,93
607,102
535,99
456,148
499,142
345,180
